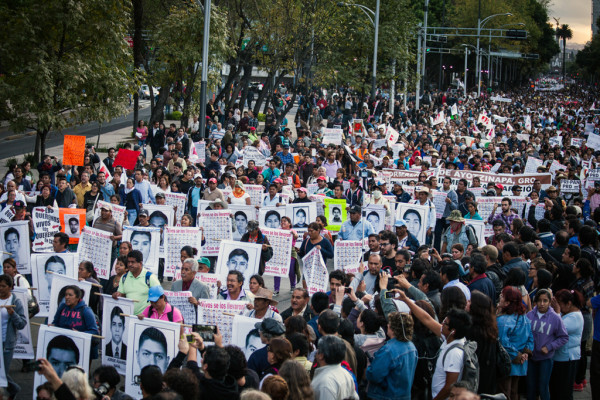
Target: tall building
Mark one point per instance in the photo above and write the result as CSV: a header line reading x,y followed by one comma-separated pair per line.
x,y
595,15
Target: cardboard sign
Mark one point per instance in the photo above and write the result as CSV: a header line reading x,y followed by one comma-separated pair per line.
x,y
68,222
126,158
74,150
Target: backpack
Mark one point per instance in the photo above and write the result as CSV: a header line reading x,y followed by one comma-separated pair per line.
x,y
148,275
472,236
470,370
169,314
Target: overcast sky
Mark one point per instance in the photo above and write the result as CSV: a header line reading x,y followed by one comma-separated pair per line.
x,y
577,14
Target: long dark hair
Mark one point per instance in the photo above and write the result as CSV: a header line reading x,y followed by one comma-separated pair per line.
x,y
515,305
452,297
483,316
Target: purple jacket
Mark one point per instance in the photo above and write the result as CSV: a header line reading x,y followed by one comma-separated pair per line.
x,y
548,331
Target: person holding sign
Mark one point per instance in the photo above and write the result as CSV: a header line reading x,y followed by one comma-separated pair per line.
x,y
188,282
12,319
159,308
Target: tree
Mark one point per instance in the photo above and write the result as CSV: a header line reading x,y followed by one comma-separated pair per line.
x,y
565,33
67,63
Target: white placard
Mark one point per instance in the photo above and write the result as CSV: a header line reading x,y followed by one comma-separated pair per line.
x,y
24,345
176,237
220,313
217,227
115,328
315,272
147,241
240,256
44,267
281,242
15,244
347,255
46,223
95,246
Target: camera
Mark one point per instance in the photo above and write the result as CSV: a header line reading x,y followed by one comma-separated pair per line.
x,y
365,173
101,390
390,295
347,290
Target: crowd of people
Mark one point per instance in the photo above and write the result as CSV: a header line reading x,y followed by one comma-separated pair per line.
x,y
438,315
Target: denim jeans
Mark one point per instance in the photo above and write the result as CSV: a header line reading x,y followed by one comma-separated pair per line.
x,y
12,388
538,379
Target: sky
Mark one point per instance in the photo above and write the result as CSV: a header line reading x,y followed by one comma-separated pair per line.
x,y
577,14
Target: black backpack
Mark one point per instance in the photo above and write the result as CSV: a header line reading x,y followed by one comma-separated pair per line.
x,y
470,370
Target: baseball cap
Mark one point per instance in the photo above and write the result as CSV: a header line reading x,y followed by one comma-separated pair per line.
x,y
277,180
204,261
143,212
160,194
197,176
321,178
399,222
155,292
252,225
107,207
19,204
499,186
252,128
270,326
212,180
355,209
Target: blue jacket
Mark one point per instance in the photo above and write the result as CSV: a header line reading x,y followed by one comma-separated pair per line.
x,y
485,286
514,333
412,242
392,371
516,262
81,318
16,322
137,198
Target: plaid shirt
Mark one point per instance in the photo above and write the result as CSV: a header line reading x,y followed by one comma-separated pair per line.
x,y
586,287
507,220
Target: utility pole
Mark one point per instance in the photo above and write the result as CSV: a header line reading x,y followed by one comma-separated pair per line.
x,y
418,82
393,88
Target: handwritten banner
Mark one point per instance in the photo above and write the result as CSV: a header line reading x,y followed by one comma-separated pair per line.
x,y
315,272
46,223
74,150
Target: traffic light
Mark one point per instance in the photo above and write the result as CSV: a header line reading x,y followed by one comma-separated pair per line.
x,y
516,34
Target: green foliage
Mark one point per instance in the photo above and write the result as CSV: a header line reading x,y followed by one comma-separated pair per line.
x,y
11,162
261,117
30,157
66,64
175,115
588,59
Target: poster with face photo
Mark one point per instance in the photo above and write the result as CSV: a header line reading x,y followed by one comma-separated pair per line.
x,y
270,217
115,329
151,342
245,336
415,216
241,215
15,244
24,345
57,294
44,267
243,257
62,348
161,216
335,212
301,215
147,241
71,224
375,214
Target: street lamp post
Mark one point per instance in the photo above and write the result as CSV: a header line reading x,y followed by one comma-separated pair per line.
x,y
480,25
375,23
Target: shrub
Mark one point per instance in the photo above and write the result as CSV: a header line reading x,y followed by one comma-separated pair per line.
x,y
174,116
261,117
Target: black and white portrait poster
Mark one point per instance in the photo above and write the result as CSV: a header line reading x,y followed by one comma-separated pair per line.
x,y
15,244
415,216
239,256
147,241
245,336
71,224
216,225
44,267
46,223
220,313
161,216
301,215
241,215
281,240
151,342
114,330
176,238
95,245
24,345
62,348
270,217
375,214
57,294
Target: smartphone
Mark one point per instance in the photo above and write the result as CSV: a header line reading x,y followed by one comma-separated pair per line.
x,y
390,295
206,332
313,152
347,290
190,338
32,366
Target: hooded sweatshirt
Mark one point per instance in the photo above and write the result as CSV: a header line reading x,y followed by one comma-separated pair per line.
x,y
81,318
549,331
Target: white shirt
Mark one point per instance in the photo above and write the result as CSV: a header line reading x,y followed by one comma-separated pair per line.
x,y
461,286
453,363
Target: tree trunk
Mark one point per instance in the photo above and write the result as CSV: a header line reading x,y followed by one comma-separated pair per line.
x,y
234,72
263,94
157,112
136,103
245,84
36,152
